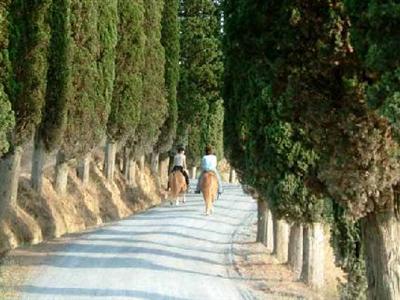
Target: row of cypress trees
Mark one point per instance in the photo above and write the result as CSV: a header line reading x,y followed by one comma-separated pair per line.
x,y
311,93
74,73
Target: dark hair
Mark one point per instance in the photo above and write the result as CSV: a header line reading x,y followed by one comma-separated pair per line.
x,y
180,149
208,150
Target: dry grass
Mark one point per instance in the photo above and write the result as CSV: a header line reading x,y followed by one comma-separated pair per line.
x,y
36,217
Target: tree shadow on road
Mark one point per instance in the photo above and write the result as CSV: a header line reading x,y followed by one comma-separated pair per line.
x,y
134,241
85,262
30,289
178,226
78,248
114,232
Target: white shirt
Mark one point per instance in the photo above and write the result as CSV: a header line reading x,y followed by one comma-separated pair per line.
x,y
180,160
209,162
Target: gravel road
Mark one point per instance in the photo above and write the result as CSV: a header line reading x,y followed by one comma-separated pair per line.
x,y
168,252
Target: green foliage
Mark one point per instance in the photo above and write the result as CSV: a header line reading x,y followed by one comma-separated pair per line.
x,y
59,88
215,128
155,104
128,85
28,48
346,241
108,36
170,42
264,138
6,115
312,107
201,68
93,27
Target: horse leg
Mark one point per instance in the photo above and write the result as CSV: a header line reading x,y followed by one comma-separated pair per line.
x,y
208,207
184,198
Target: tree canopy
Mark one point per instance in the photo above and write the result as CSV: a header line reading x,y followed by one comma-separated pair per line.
x,y
29,35
6,114
93,27
155,105
128,86
170,42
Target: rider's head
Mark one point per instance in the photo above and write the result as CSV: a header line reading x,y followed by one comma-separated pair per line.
x,y
208,150
180,149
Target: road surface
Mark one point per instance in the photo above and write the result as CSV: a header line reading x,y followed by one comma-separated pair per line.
x,y
168,252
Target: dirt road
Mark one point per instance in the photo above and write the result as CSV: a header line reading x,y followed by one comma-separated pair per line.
x,y
169,252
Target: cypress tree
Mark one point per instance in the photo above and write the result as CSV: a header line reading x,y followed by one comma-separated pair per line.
x,y
375,38
128,86
86,111
200,75
29,38
6,114
170,42
154,106
27,49
50,131
108,37
93,28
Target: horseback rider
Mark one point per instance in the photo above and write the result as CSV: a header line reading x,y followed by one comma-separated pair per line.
x,y
180,164
209,163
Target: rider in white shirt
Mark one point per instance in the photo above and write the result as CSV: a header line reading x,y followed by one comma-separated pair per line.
x,y
180,164
209,163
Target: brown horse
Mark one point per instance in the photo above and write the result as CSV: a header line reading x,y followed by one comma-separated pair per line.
x,y
178,187
209,188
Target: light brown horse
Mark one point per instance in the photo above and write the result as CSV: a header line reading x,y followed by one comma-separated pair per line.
x,y
178,187
209,188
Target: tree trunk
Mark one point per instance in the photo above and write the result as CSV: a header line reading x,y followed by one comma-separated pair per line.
x,y
83,169
194,172
262,221
313,255
10,166
155,157
142,163
38,160
381,234
270,232
126,163
164,170
119,160
281,240
61,174
296,249
141,167
132,173
109,163
232,175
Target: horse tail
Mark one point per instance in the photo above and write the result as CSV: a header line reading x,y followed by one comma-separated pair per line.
x,y
177,183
